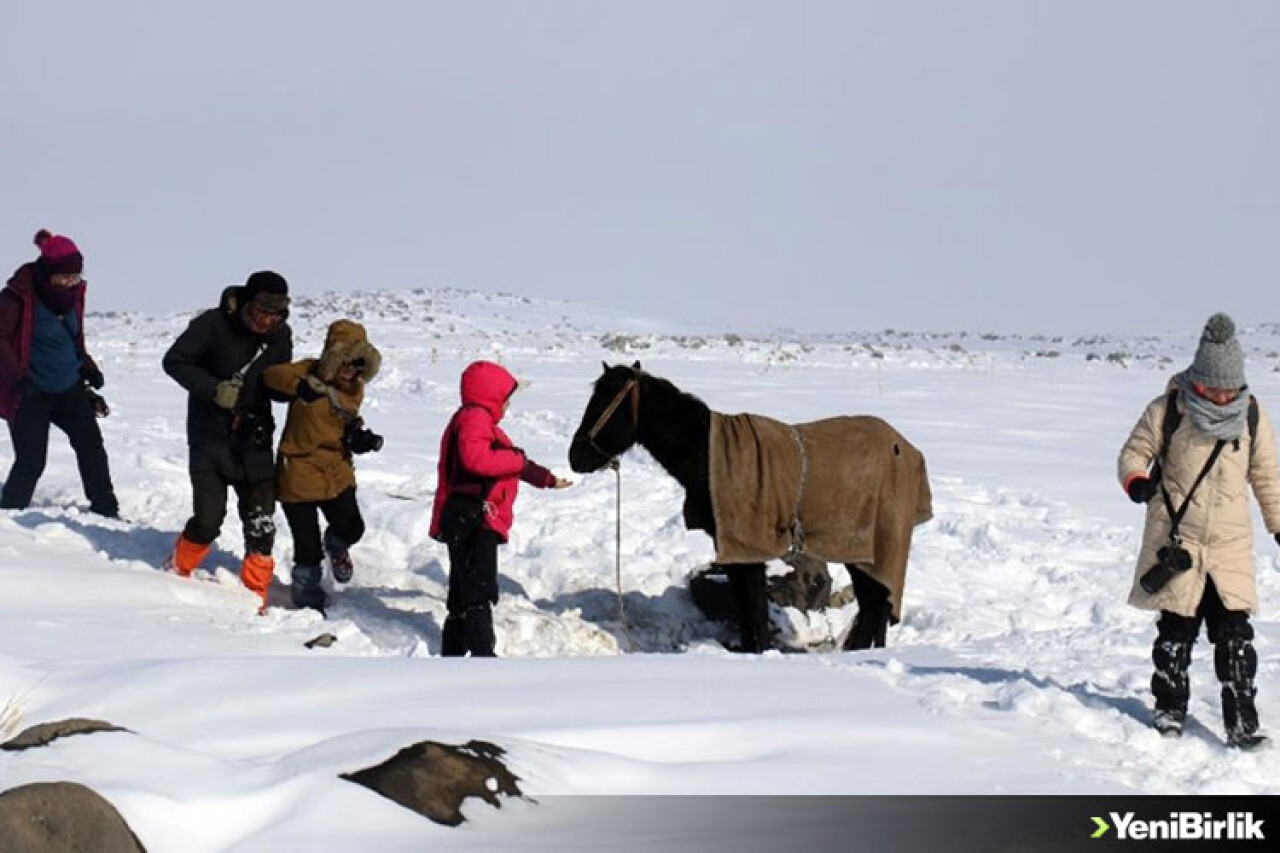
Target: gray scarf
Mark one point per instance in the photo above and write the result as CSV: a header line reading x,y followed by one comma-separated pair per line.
x,y
1225,423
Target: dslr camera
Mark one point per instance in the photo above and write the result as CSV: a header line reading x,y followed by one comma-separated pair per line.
x,y
254,430
99,403
357,438
1170,560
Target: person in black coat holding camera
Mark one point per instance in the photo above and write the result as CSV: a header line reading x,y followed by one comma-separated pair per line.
x,y
219,359
1193,458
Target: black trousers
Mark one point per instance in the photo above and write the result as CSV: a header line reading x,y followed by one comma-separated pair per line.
x,y
256,502
1222,623
473,590
343,516
1235,661
71,412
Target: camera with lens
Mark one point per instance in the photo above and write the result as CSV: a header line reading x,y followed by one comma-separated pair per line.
x,y
254,430
1170,560
357,438
99,403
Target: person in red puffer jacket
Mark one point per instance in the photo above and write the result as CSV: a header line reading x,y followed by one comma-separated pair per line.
x,y
477,457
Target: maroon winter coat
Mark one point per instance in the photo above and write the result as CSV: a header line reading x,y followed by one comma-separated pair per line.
x,y
484,451
17,324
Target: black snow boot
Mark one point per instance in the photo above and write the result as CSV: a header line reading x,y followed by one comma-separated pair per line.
x,y
305,589
1170,685
339,557
1236,664
479,631
453,637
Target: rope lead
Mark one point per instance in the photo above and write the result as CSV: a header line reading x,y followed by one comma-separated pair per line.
x,y
622,611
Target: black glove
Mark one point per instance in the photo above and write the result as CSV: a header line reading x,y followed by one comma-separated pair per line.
x,y
365,441
93,376
307,390
99,403
25,387
1142,490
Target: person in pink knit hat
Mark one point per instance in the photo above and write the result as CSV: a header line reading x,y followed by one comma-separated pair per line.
x,y
48,377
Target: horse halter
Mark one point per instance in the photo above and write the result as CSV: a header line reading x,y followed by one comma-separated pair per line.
x,y
632,388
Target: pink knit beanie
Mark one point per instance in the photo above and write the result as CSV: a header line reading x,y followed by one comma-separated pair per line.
x,y
58,253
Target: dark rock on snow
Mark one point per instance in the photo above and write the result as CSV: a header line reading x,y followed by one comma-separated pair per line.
x,y
62,817
806,587
433,779
47,733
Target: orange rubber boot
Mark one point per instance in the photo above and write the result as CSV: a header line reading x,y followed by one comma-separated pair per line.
x,y
256,572
186,556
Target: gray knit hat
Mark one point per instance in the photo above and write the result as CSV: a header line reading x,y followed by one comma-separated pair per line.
x,y
1219,361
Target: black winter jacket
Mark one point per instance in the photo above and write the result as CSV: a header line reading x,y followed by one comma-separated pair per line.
x,y
214,346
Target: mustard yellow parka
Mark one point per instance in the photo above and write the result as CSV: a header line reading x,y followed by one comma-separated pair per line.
x,y
312,464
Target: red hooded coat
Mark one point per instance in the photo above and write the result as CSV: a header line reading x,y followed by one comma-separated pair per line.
x,y
484,452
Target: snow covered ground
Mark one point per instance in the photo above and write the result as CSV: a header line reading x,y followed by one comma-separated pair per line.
x,y
1017,668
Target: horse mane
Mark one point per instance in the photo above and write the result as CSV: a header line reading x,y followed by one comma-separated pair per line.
x,y
676,428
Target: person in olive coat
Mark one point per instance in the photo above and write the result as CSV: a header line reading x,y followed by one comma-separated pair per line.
x,y
315,474
219,360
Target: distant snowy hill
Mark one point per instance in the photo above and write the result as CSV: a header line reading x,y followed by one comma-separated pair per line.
x,y
1017,667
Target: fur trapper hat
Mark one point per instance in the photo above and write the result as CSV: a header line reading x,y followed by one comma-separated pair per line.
x,y
347,343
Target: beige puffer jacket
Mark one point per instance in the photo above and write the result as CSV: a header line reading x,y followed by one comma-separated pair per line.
x,y
1217,528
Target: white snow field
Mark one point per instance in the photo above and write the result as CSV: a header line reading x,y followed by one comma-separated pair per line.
x,y
1017,669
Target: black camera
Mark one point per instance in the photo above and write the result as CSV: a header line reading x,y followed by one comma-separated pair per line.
x,y
356,438
1170,560
254,430
99,403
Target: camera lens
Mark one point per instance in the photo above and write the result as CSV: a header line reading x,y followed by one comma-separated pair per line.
x,y
1170,561
1154,579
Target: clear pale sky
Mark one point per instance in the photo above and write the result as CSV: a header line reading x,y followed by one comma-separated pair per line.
x,y
1020,166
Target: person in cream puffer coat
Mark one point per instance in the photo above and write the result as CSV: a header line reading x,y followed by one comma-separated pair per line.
x,y
1216,418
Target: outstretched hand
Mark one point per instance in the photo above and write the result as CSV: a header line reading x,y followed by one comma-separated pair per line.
x,y
562,483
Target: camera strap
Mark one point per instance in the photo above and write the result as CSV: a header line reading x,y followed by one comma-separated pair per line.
x,y
1176,517
240,374
344,414
237,415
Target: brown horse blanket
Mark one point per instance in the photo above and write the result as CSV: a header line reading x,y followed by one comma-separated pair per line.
x,y
864,489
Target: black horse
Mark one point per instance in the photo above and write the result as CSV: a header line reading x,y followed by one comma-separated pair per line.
x,y
630,406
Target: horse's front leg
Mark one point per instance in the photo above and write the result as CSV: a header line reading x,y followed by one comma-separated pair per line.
x,y
752,600
868,631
